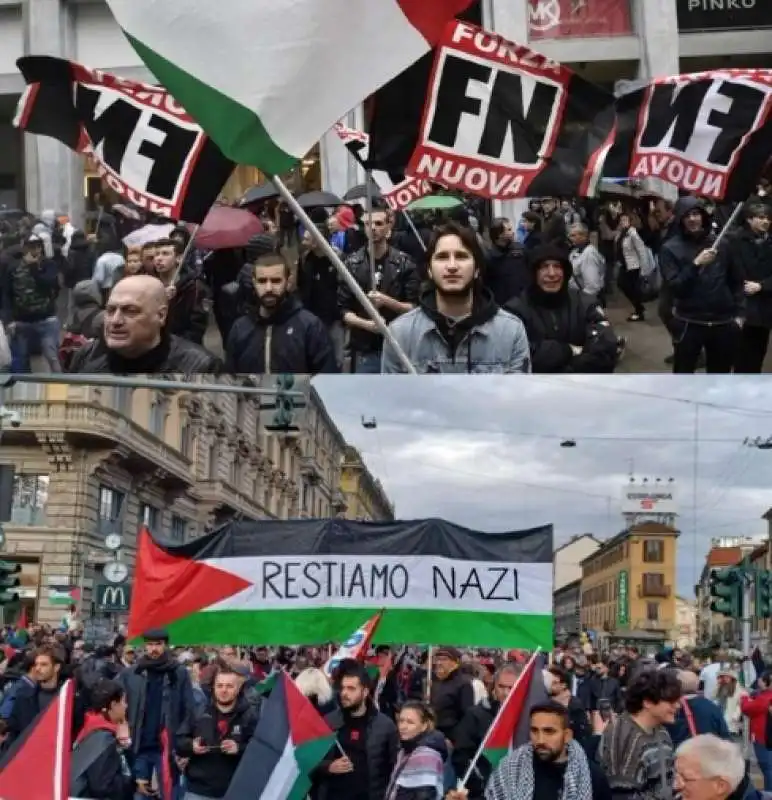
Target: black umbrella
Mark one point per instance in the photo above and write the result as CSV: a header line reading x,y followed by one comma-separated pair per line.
x,y
318,199
360,192
259,194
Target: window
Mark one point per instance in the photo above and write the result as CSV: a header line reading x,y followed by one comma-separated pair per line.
x,y
110,503
30,498
122,397
214,458
186,440
179,528
148,515
652,612
157,421
653,581
654,551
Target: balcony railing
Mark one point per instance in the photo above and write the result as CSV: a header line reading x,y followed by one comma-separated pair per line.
x,y
311,470
92,425
654,590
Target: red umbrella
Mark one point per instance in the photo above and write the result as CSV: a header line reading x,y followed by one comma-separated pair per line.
x,y
226,227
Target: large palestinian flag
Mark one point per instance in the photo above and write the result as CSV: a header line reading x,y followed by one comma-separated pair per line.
x,y
290,740
312,581
37,764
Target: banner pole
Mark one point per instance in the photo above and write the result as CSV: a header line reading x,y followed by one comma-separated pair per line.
x,y
185,252
429,668
462,783
369,212
732,218
344,274
413,228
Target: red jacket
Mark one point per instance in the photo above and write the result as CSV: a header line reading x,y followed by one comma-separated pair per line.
x,y
757,710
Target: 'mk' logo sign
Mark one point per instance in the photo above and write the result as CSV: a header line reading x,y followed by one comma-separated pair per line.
x,y
493,112
693,128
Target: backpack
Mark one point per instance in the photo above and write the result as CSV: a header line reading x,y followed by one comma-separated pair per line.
x,y
84,756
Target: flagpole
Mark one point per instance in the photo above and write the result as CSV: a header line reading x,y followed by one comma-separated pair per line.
x,y
732,218
413,228
185,252
502,708
344,274
370,240
429,668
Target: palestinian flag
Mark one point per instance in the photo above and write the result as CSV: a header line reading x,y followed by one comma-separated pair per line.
x,y
510,729
290,740
310,581
267,685
356,646
37,765
310,62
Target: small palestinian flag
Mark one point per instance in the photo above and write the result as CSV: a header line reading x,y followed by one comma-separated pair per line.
x,y
289,742
506,730
37,765
356,646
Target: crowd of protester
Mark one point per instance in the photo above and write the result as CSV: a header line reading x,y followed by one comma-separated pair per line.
x,y
460,293
408,722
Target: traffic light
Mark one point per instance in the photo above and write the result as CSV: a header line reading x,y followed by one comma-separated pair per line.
x,y
764,594
8,580
283,420
726,589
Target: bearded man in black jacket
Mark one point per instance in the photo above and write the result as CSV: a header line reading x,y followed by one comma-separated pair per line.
x,y
472,729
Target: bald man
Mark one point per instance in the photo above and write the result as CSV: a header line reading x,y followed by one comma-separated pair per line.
x,y
697,714
134,339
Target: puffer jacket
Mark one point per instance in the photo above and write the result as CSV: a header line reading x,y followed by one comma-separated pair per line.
x,y
382,752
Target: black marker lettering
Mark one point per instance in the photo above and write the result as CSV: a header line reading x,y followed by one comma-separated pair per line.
x,y
271,571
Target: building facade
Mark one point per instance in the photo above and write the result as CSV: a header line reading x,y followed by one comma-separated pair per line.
x,y
684,634
92,461
567,608
363,494
628,584
567,560
605,40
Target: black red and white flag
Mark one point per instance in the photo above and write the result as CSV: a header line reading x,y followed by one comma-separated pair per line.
x,y
143,143
709,133
399,193
37,764
502,121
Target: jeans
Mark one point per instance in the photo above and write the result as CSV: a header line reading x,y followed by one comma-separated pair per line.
x,y
764,757
148,765
26,333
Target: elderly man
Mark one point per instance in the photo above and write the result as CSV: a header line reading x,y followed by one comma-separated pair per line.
x,y
135,340
709,768
589,265
697,714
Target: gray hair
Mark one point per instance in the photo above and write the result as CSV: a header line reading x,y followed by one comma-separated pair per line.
x,y
513,669
718,758
690,683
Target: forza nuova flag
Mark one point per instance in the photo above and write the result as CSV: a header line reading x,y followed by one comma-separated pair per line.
x,y
289,742
398,191
503,121
309,63
144,144
709,133
311,581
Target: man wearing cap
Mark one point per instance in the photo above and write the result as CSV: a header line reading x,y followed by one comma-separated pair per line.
x,y
30,285
159,695
452,696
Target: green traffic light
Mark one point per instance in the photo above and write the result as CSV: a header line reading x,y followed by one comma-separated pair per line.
x,y
726,589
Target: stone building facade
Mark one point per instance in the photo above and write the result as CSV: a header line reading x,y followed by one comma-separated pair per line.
x,y
92,460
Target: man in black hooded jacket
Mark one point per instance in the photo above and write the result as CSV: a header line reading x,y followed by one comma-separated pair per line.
x,y
280,336
707,292
566,332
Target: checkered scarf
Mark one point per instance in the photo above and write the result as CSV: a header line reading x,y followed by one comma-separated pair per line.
x,y
514,778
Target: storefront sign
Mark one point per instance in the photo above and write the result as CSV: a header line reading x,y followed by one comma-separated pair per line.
x,y
564,19
623,602
723,15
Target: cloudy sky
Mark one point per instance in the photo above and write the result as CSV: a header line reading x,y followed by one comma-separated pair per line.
x,y
485,452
